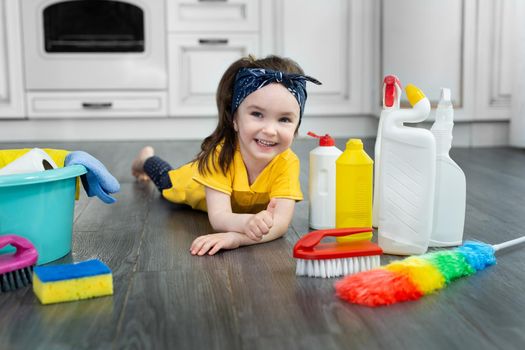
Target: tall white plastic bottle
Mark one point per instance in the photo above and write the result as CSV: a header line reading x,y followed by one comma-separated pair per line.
x,y
449,203
321,185
391,98
407,181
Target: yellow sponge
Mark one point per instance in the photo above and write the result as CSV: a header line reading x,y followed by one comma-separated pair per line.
x,y
88,279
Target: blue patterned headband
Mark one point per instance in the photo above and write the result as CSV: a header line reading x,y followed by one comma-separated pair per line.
x,y
249,80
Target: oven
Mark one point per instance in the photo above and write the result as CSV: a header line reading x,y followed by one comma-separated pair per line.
x,y
94,45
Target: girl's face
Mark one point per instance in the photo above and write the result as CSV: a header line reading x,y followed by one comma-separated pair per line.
x,y
265,123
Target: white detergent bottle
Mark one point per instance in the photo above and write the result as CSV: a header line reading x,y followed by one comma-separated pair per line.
x,y
321,185
449,203
391,98
407,181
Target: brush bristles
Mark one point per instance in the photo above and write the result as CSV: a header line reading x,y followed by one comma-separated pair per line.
x,y
327,268
16,279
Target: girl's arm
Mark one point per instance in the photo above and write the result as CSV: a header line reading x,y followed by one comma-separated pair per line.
x,y
220,214
281,210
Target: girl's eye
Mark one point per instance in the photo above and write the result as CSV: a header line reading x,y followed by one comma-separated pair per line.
x,y
285,120
256,114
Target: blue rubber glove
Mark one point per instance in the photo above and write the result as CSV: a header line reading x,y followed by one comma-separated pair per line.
x,y
97,181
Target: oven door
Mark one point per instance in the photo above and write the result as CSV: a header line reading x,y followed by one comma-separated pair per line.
x,y
94,44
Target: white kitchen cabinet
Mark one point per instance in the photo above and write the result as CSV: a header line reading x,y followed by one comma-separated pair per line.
x,y
332,43
470,54
11,83
419,49
196,65
463,45
204,38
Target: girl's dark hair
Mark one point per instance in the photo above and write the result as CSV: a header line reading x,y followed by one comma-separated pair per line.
x,y
224,132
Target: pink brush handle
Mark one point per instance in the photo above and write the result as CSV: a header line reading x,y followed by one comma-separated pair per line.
x,y
311,239
25,255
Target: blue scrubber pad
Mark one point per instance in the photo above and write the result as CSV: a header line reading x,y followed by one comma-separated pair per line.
x,y
65,272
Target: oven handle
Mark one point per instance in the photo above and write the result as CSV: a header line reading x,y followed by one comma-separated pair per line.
x,y
213,41
97,105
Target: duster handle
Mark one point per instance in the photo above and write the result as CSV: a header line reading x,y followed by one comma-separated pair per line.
x,y
509,243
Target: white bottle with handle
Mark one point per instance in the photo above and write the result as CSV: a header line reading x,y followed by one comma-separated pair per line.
x,y
391,99
321,185
407,181
450,199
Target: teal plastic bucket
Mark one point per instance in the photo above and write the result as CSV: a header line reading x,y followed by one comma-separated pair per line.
x,y
40,206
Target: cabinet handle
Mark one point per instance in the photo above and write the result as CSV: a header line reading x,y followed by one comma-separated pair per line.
x,y
213,41
213,0
97,105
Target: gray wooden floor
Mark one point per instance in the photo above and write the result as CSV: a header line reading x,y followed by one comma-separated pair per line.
x,y
250,298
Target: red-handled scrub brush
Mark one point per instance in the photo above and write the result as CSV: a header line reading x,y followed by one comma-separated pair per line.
x,y
16,268
332,259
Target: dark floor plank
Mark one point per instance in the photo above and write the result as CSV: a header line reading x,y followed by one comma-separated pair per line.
x,y
488,302
169,232
306,341
180,309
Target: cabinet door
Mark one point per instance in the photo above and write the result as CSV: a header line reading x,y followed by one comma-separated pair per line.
x,y
494,50
331,43
431,45
196,65
11,88
429,57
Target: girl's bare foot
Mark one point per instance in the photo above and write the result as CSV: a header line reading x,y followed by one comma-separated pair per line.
x,y
137,167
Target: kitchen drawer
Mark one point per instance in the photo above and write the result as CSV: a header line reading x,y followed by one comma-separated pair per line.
x,y
97,104
213,15
196,65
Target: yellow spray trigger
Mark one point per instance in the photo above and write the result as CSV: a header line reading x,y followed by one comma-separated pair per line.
x,y
414,95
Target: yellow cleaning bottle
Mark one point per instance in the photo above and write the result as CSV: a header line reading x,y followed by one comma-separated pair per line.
x,y
353,190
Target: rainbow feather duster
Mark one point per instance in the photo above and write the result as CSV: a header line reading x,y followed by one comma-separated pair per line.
x,y
416,276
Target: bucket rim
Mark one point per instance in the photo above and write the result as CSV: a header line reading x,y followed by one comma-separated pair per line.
x,y
42,176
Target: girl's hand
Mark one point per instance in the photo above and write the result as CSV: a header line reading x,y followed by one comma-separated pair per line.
x,y
214,242
261,223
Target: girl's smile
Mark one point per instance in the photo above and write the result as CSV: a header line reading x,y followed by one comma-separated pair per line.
x,y
266,146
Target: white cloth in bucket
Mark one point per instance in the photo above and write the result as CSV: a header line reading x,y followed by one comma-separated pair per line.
x,y
33,161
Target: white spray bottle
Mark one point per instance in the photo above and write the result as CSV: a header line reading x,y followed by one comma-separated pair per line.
x,y
407,181
321,184
449,203
391,98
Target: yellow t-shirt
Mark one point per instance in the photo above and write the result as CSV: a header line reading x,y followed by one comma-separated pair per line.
x,y
280,179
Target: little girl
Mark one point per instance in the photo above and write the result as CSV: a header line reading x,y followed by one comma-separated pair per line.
x,y
245,176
